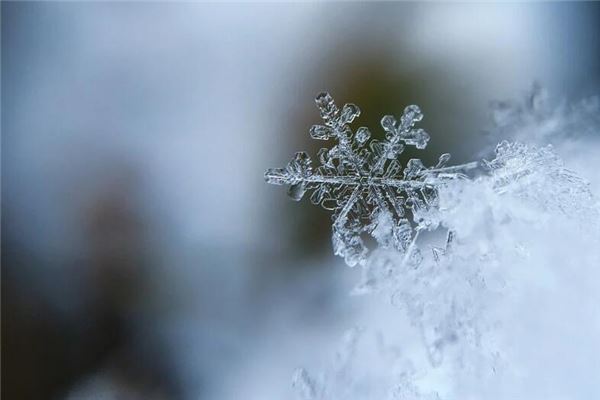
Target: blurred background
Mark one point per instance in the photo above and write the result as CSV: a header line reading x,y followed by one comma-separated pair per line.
x,y
143,256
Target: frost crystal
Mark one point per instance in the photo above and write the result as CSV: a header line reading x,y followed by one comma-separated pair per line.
x,y
539,176
362,181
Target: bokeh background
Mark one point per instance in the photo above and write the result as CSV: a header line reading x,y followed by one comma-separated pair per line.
x,y
143,256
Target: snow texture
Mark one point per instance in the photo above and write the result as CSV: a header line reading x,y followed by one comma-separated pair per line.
x,y
506,307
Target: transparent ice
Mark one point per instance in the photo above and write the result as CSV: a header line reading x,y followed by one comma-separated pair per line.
x,y
363,182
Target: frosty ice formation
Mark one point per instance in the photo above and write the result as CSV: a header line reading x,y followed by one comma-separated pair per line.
x,y
363,183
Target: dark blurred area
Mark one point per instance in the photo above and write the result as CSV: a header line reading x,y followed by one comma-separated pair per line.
x,y
143,257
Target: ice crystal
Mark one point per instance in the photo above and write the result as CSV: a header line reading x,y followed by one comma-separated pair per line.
x,y
362,181
538,175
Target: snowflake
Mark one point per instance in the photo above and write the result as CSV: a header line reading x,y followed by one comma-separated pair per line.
x,y
361,180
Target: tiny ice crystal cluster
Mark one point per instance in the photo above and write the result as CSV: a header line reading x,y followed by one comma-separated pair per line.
x,y
362,181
